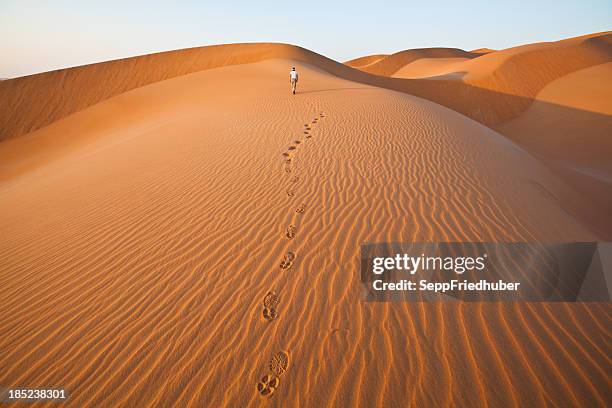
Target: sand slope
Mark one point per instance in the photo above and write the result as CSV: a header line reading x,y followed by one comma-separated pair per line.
x,y
391,64
570,119
367,60
137,252
482,51
428,67
498,88
569,124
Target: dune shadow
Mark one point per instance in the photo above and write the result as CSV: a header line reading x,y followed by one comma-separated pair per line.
x,y
457,76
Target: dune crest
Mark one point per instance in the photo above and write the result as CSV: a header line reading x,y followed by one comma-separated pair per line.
x,y
482,51
391,64
367,60
428,67
495,87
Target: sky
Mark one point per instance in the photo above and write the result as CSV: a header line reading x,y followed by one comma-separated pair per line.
x,y
38,36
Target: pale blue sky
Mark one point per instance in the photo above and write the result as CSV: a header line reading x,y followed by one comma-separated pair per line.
x,y
38,36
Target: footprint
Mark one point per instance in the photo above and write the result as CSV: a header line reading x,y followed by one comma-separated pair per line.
x,y
268,385
294,179
300,209
290,193
287,262
279,363
291,148
291,231
297,142
285,154
269,314
306,132
270,302
287,169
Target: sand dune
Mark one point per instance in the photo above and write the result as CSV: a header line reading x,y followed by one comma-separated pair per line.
x,y
391,64
570,119
364,61
494,88
482,51
569,124
499,86
141,256
505,71
428,67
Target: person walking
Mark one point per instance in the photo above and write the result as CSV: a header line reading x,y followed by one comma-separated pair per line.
x,y
293,78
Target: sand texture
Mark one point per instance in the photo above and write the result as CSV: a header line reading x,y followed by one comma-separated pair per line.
x,y
179,230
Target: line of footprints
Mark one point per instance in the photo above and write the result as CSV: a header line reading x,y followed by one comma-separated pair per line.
x,y
280,361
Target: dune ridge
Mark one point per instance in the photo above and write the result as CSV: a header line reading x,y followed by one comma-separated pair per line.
x,y
498,95
69,90
428,68
389,65
483,50
367,60
558,124
500,85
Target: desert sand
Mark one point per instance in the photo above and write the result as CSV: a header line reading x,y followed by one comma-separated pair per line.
x,y
428,67
483,50
391,64
149,227
365,61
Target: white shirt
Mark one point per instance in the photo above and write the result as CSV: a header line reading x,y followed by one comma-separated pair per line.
x,y
293,74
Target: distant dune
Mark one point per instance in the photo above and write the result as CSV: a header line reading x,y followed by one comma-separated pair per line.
x,y
179,230
428,67
364,61
500,85
389,65
482,51
570,119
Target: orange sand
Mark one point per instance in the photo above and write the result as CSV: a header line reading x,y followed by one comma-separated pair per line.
x,y
482,51
143,230
391,64
428,67
364,61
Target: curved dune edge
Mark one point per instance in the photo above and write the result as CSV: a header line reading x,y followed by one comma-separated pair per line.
x,y
391,64
498,86
428,67
570,120
135,269
568,126
367,60
31,102
483,50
